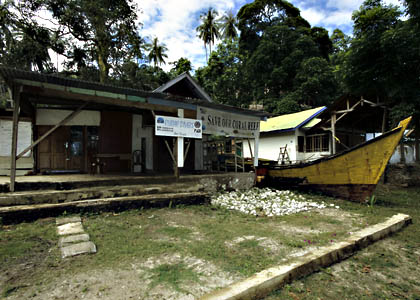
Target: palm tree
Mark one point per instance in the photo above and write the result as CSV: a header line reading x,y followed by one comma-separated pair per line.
x,y
208,30
229,23
157,52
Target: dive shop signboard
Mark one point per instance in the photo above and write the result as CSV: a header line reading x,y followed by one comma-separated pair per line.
x,y
228,124
178,127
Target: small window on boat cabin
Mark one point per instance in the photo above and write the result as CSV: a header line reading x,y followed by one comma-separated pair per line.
x,y
317,143
301,143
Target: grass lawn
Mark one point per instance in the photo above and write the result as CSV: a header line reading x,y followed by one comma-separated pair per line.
x,y
388,269
184,252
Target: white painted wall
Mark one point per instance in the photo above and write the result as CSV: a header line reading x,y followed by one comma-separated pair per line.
x,y
269,147
140,132
410,155
25,139
55,116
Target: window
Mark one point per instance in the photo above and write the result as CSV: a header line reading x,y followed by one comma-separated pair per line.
x,y
301,143
317,143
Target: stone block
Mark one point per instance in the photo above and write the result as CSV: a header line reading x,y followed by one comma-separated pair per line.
x,y
76,249
61,221
71,239
70,228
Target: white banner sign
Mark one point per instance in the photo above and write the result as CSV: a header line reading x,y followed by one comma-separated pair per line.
x,y
228,124
179,127
24,137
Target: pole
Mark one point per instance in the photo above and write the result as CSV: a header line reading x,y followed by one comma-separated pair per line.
x,y
16,99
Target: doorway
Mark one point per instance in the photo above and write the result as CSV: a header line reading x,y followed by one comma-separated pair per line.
x,y
61,151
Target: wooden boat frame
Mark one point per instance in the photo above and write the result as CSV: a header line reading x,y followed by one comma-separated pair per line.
x,y
352,174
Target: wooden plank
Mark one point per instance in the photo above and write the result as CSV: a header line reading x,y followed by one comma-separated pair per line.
x,y
186,150
170,151
56,94
333,121
16,98
63,122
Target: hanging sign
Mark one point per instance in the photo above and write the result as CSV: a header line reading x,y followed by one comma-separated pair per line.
x,y
224,123
178,127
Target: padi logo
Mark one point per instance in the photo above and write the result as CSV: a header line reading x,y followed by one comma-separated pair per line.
x,y
160,120
197,124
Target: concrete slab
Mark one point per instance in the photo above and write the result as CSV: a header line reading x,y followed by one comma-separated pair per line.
x,y
76,249
72,239
264,282
70,228
61,221
14,214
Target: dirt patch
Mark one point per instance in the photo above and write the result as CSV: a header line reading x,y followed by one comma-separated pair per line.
x,y
264,242
131,283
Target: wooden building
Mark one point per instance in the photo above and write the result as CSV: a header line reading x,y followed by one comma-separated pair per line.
x,y
59,125
322,131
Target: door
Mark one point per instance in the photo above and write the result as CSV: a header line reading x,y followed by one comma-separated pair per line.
x,y
62,150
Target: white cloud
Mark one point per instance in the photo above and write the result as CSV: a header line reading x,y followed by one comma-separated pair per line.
x,y
312,15
173,22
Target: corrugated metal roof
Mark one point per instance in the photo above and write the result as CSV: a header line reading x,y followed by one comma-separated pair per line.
x,y
11,74
185,76
291,121
312,123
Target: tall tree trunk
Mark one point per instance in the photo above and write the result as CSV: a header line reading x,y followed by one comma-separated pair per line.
x,y
207,57
103,66
210,49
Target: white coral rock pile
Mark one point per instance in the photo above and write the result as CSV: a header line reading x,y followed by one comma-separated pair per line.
x,y
265,202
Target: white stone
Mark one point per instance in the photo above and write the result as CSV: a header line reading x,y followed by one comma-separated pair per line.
x,y
76,249
61,221
71,239
70,228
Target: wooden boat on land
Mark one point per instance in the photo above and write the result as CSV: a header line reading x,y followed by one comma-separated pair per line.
x,y
352,174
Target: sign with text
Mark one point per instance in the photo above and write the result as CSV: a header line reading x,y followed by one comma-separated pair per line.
x,y
228,124
178,127
24,137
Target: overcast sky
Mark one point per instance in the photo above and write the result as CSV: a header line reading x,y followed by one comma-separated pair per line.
x,y
173,22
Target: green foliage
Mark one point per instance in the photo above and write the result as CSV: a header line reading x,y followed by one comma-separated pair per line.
x,y
382,61
86,31
182,65
208,30
156,52
271,63
143,77
228,26
23,44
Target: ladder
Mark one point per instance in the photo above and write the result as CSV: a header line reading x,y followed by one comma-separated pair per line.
x,y
283,156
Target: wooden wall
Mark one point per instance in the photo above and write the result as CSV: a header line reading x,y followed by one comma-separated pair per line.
x,y
115,138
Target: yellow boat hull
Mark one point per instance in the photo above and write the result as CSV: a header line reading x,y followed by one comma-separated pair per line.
x,y
352,174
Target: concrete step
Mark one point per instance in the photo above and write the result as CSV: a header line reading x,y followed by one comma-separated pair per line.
x,y
19,213
101,192
77,181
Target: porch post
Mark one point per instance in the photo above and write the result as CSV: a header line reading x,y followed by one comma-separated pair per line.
x,y
180,142
16,99
256,146
333,120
